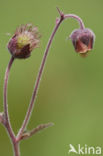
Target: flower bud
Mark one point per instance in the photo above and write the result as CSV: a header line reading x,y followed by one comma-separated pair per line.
x,y
24,40
82,40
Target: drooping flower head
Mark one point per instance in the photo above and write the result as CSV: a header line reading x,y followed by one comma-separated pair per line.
x,y
25,39
83,40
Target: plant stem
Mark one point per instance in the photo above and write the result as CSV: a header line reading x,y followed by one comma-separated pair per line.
x,y
31,105
6,114
38,81
16,149
6,122
77,18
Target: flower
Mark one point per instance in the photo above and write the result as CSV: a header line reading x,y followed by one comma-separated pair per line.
x,y
25,39
83,40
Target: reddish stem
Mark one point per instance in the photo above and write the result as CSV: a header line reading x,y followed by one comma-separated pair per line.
x,y
77,18
6,114
6,122
16,149
31,105
38,81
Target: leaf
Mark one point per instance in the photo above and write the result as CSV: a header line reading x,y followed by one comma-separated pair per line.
x,y
40,127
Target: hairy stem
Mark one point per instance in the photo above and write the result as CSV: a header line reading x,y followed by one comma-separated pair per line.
x,y
77,18
31,105
6,122
38,81
16,149
6,114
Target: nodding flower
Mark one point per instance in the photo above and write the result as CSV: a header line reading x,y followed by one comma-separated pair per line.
x,y
83,40
24,40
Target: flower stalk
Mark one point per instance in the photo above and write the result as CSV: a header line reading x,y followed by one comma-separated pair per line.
x,y
6,114
31,105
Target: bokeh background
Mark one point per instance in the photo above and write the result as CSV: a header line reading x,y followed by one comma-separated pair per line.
x,y
71,90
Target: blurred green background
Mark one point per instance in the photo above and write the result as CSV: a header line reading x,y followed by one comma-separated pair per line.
x,y
71,89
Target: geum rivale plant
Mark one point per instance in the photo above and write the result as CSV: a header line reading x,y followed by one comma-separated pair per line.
x,y
24,41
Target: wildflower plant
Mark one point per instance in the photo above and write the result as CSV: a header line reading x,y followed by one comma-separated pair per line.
x,y
24,41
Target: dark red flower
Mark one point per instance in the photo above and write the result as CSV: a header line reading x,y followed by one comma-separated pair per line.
x,y
83,40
